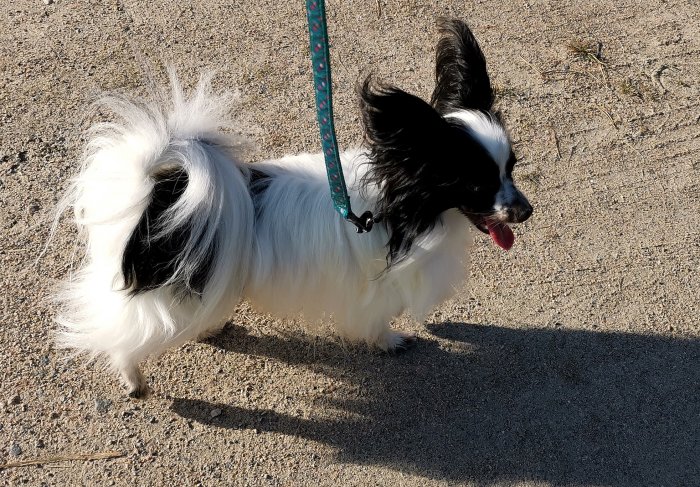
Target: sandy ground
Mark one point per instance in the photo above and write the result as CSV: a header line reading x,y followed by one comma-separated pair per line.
x,y
572,360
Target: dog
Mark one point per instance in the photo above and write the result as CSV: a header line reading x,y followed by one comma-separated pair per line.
x,y
179,229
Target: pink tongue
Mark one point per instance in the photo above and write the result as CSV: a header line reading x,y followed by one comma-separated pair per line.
x,y
501,234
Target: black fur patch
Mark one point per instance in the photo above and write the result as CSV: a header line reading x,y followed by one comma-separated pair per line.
x,y
259,182
149,260
423,165
461,78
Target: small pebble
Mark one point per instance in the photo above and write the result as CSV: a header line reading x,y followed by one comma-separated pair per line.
x,y
102,405
15,399
40,443
215,412
15,450
48,2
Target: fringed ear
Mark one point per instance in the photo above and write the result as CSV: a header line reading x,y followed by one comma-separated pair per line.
x,y
400,128
461,78
408,140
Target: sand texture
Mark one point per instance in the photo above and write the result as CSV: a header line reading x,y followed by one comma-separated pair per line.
x,y
572,360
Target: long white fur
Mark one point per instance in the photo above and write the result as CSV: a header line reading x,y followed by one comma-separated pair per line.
x,y
298,258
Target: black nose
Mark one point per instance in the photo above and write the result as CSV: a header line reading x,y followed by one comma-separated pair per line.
x,y
521,212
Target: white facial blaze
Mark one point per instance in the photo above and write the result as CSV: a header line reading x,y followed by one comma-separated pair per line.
x,y
506,195
494,139
488,132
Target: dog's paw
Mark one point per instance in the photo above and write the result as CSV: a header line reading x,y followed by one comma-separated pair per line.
x,y
140,393
135,382
397,342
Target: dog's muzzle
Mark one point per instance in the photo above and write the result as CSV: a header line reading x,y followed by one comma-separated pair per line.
x,y
518,211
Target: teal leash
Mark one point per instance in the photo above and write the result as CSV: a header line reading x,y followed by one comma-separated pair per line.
x,y
320,62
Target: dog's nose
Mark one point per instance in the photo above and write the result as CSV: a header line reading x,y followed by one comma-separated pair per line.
x,y
521,212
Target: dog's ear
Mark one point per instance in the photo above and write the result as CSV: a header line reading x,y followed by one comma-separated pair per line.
x,y
400,128
461,78
408,141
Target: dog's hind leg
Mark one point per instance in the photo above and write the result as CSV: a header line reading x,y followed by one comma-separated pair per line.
x,y
134,381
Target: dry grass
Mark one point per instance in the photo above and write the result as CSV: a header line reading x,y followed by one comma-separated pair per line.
x,y
588,50
504,92
63,458
627,87
638,88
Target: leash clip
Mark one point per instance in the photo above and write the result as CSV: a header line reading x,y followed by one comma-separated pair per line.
x,y
363,223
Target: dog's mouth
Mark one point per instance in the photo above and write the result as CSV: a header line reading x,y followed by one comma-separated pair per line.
x,y
500,232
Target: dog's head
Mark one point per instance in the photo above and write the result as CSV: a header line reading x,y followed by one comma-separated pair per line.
x,y
451,153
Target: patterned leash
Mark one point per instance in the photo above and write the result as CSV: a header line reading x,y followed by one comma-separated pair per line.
x,y
320,62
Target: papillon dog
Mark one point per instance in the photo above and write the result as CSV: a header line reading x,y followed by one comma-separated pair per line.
x,y
179,229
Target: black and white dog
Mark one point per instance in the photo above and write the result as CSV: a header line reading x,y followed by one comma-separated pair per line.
x,y
179,230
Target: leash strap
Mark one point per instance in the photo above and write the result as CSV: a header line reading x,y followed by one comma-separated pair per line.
x,y
320,62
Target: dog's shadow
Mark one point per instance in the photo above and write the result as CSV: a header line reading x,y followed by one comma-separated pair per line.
x,y
498,404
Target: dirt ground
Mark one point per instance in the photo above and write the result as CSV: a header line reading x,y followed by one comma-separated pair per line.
x,y
573,359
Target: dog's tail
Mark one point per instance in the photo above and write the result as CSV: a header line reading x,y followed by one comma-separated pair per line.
x,y
168,221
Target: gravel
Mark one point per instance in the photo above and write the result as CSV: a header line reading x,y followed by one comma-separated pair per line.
x,y
572,359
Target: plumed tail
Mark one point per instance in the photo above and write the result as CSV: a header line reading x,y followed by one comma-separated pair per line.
x,y
168,221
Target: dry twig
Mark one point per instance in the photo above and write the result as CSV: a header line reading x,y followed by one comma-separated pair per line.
x,y
556,141
609,115
64,458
